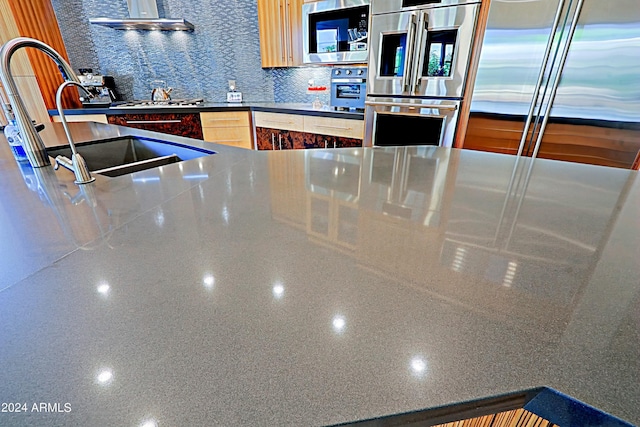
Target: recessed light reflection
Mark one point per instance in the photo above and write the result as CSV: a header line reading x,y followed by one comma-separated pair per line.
x,y
225,214
159,219
339,323
105,376
418,365
278,290
209,281
149,423
103,289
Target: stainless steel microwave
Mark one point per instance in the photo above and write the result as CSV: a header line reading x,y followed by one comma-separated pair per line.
x,y
335,31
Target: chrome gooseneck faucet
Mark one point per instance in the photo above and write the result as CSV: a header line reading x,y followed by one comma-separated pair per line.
x,y
77,163
31,141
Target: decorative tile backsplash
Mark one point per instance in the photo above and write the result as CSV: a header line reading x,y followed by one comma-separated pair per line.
x,y
224,46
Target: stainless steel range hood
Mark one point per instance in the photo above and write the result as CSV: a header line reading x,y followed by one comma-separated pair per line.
x,y
143,15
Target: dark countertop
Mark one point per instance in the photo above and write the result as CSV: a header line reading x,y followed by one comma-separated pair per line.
x,y
311,287
293,108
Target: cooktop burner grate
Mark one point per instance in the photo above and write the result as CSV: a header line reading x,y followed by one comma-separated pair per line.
x,y
159,104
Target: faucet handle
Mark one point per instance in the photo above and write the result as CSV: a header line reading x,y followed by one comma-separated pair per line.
x,y
64,162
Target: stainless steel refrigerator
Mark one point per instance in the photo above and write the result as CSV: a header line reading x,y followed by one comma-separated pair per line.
x,y
419,59
559,79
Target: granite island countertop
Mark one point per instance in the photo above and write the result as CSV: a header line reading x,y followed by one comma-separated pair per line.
x,y
314,287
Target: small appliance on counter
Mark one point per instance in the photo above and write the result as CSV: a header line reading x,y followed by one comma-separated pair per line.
x,y
160,92
233,95
103,88
348,88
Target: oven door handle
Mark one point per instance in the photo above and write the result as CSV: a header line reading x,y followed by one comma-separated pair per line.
x,y
405,105
347,80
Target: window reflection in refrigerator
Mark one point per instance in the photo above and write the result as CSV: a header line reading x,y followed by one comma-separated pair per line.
x,y
440,48
393,55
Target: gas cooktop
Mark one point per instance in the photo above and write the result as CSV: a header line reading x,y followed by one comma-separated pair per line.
x,y
160,104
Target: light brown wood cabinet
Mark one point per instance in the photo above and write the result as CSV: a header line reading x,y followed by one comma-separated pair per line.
x,y
99,118
228,128
279,121
280,25
285,131
348,128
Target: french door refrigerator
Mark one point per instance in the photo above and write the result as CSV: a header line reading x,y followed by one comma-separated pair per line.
x,y
559,79
419,58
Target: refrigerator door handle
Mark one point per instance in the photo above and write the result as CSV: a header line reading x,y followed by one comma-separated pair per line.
x,y
556,82
408,61
419,53
543,68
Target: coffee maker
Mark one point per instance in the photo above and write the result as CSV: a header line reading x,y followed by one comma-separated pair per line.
x,y
102,87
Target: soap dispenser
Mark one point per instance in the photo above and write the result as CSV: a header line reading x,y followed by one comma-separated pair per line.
x,y
12,133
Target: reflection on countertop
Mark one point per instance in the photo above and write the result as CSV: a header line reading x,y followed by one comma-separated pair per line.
x,y
313,287
412,212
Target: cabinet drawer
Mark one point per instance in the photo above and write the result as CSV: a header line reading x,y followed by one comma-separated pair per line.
x,y
334,126
100,118
279,121
236,136
225,119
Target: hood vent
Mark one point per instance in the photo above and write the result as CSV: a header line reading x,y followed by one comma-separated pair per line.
x,y
144,16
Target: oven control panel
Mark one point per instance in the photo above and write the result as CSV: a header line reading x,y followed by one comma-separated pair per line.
x,y
348,88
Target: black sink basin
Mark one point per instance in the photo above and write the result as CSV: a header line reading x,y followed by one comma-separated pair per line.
x,y
127,154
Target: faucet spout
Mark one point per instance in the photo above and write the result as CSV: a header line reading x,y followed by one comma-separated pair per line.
x,y
78,165
31,141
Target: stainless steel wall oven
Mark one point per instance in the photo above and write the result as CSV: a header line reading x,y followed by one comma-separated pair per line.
x,y
418,64
348,88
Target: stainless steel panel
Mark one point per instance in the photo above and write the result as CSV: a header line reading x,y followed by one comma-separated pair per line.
x,y
418,25
460,18
512,52
388,6
598,83
447,110
145,9
384,27
601,79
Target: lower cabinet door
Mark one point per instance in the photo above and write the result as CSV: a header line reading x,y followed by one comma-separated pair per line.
x,y
266,138
179,124
344,142
331,141
279,139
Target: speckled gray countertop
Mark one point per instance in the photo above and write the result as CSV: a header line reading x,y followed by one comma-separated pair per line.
x,y
314,287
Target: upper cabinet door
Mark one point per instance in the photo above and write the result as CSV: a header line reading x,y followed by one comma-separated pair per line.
x,y
280,23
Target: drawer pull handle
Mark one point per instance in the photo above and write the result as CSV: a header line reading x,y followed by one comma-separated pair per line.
x,y
152,121
279,123
334,127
